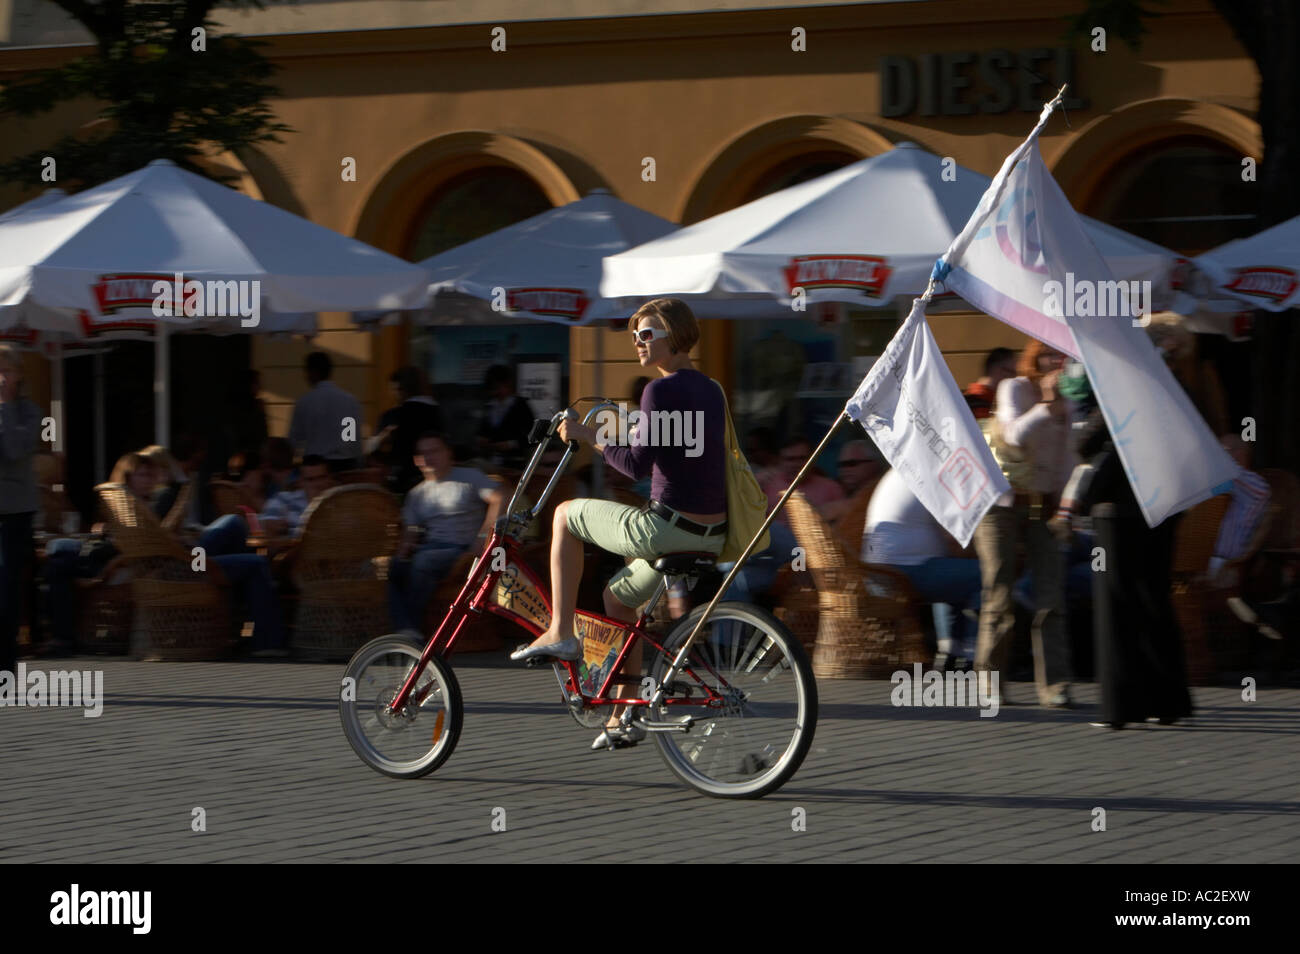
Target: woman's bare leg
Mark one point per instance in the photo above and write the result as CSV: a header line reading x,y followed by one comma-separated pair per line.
x,y
617,610
566,574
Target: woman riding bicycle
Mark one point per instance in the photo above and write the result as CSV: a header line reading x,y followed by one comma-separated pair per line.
x,y
679,443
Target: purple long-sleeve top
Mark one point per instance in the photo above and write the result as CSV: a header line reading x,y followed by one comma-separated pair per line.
x,y
679,442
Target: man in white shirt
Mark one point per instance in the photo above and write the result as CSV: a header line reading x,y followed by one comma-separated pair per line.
x,y
901,533
443,514
321,417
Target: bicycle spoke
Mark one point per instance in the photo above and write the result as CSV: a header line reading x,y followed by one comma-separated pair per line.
x,y
759,726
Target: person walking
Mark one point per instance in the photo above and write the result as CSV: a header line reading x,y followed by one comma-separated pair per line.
x,y
688,505
20,428
1031,438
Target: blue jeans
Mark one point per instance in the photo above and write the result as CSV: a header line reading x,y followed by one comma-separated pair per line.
x,y
951,584
412,581
760,570
228,534
15,554
251,573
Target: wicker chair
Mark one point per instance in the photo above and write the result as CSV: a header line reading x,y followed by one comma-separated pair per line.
x,y
1193,547
230,498
179,614
105,610
340,567
869,626
852,523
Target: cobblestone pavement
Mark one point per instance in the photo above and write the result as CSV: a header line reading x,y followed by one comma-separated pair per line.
x,y
259,747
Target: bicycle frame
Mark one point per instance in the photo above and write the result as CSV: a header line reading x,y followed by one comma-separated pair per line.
x,y
502,551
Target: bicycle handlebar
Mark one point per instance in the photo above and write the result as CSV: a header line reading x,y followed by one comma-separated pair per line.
x,y
567,414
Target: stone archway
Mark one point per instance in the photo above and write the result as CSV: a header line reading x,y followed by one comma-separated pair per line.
x,y
731,173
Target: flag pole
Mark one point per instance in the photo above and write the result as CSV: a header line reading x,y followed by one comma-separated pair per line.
x,y
680,659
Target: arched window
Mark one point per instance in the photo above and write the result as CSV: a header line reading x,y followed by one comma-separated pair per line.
x,y
797,169
473,204
1187,194
467,206
1184,193
793,375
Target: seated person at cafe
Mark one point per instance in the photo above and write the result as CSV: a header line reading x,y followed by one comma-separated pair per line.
x,y
283,513
444,515
67,560
901,533
277,467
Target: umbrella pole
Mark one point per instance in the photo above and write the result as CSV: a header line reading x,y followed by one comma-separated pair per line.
x,y
101,473
161,372
56,395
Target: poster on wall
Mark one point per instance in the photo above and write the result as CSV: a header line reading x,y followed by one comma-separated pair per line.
x,y
539,384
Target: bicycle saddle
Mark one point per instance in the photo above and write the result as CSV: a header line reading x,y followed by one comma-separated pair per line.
x,y
685,563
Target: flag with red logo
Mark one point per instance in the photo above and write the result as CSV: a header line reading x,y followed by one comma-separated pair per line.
x,y
914,411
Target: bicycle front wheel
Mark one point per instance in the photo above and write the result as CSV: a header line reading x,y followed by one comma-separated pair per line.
x,y
416,740
757,738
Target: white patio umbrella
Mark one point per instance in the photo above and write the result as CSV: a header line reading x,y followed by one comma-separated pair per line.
x,y
103,259
548,268
864,234
1262,271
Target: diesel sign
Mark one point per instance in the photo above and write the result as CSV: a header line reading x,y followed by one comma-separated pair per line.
x,y
959,84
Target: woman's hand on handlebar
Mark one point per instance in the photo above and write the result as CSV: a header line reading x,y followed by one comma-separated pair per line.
x,y
573,431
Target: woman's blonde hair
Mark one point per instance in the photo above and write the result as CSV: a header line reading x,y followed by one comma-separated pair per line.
x,y
127,465
678,319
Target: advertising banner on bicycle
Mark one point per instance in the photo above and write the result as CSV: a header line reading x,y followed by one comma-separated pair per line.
x,y
601,644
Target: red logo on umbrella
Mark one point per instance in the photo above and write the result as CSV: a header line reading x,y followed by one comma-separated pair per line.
x,y
1275,284
867,273
133,290
558,302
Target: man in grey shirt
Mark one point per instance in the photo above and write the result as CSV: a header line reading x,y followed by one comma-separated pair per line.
x,y
444,515
320,417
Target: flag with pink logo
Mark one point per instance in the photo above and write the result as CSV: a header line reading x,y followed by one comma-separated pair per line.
x,y
1024,257
914,411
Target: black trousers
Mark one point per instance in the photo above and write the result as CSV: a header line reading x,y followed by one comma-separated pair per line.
x,y
1141,667
15,557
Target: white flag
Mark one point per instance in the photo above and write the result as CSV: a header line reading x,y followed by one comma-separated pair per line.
x,y
1025,258
913,410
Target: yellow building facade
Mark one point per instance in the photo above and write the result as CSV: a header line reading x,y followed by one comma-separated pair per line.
x,y
460,117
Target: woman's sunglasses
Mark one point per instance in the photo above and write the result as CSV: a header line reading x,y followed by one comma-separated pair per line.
x,y
648,335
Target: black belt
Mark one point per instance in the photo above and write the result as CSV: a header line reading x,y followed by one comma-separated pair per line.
x,y
676,519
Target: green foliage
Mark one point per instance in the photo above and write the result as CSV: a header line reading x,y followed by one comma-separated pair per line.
x,y
1122,19
161,98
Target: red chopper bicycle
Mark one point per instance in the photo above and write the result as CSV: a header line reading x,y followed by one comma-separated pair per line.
x,y
733,711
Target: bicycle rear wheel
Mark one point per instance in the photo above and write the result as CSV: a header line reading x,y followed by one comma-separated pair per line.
x,y
405,744
758,738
